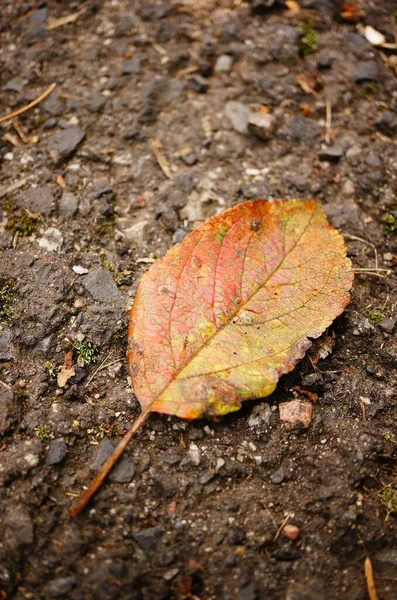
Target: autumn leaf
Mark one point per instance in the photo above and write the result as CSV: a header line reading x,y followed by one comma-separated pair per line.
x,y
231,308
225,313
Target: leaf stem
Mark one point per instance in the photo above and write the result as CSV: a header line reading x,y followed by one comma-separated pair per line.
x,y
109,464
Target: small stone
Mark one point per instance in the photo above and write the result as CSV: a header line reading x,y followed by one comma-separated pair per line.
x,y
206,478
96,102
179,235
331,154
63,144
100,284
60,587
388,324
262,125
194,455
296,411
57,451
37,200
14,85
79,270
353,152
130,132
277,476
188,156
68,205
260,414
387,123
373,160
53,105
388,256
19,528
132,66
9,156
238,114
366,71
51,240
147,538
220,462
348,189
123,472
198,84
325,60
6,352
291,531
8,411
171,574
223,64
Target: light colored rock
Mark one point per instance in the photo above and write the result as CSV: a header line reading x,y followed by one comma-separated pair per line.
x,y
262,125
238,114
51,240
223,64
296,411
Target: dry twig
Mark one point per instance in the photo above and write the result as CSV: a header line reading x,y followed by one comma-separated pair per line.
x,y
159,153
328,121
29,106
369,575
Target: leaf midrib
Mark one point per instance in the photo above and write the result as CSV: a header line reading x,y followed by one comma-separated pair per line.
x,y
241,307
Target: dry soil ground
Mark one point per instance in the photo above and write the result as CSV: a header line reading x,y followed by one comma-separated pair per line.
x,y
194,508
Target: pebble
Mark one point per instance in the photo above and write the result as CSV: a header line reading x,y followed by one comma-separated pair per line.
x,y
260,414
387,123
6,351
56,452
223,64
61,586
194,454
96,102
331,153
198,84
9,156
124,470
278,476
171,574
238,114
262,125
373,160
219,464
147,538
388,256
130,132
353,152
387,325
366,71
53,105
100,284
296,411
8,410
37,200
179,235
68,205
19,528
14,85
348,189
79,270
63,144
51,240
132,66
291,531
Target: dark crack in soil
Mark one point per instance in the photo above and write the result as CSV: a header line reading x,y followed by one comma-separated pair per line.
x,y
164,113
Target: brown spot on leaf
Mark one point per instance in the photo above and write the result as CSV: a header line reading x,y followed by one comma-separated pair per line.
x,y
255,224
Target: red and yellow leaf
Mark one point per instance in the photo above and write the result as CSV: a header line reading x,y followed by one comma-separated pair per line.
x,y
225,313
